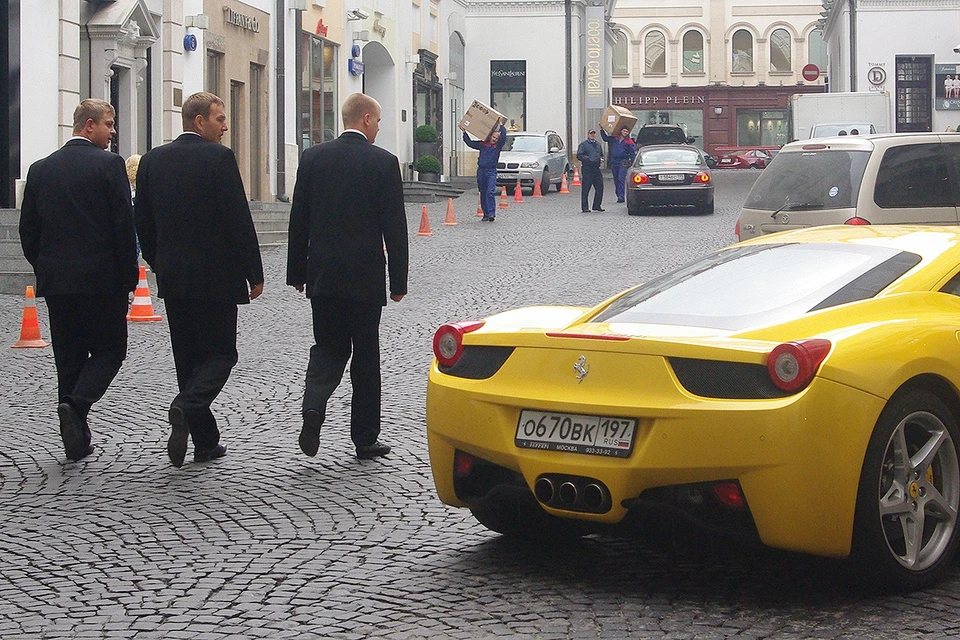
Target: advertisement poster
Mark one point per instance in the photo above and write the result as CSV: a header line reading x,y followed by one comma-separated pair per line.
x,y
947,85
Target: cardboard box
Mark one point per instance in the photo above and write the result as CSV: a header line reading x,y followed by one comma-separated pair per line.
x,y
615,118
480,120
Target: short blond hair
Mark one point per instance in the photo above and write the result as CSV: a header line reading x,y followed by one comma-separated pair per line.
x,y
133,163
91,109
198,105
356,106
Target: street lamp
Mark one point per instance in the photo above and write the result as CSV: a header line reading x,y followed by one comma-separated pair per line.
x,y
718,111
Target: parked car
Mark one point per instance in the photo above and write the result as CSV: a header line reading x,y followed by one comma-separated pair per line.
x,y
662,134
872,179
527,156
771,390
669,177
752,159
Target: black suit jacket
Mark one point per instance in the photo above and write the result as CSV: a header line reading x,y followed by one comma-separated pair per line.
x,y
348,205
76,222
194,222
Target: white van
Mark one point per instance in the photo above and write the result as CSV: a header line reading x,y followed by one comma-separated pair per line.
x,y
873,179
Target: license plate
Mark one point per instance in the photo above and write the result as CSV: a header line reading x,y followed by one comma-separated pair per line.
x,y
726,161
576,433
671,177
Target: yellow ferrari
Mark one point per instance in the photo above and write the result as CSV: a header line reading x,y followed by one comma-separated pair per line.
x,y
801,389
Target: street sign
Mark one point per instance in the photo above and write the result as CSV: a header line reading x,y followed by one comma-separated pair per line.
x,y
811,72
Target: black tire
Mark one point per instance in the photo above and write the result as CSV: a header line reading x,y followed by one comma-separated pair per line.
x,y
545,183
924,493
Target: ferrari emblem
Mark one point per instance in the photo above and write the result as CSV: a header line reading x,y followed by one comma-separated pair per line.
x,y
582,368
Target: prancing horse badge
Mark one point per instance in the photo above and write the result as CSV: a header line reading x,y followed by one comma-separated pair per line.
x,y
582,368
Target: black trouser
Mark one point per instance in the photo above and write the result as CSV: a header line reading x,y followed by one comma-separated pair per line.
x,y
592,177
340,325
89,335
203,335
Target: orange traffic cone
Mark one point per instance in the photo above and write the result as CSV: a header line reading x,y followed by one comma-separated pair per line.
x,y
517,193
576,177
536,189
480,206
29,326
141,310
563,183
451,218
503,200
424,224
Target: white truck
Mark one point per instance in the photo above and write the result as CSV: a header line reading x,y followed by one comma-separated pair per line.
x,y
867,112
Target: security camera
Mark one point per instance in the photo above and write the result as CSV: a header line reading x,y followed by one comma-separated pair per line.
x,y
956,49
360,14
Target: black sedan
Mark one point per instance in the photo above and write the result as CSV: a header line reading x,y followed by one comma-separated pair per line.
x,y
669,176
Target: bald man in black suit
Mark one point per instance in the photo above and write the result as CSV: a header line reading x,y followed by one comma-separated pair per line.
x,y
347,206
76,229
197,233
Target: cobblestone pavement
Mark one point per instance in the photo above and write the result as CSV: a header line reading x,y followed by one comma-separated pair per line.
x,y
267,543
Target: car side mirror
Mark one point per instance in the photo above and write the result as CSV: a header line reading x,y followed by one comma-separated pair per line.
x,y
554,149
690,139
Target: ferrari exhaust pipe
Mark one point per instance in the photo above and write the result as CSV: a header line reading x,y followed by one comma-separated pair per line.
x,y
594,496
544,489
568,493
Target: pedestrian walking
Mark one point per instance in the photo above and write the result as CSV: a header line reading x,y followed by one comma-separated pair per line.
x,y
347,208
590,155
197,234
622,152
76,230
487,168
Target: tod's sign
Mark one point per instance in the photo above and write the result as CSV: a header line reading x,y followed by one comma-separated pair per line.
x,y
240,20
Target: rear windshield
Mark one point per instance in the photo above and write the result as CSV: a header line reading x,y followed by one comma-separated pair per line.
x,y
756,285
678,156
666,135
810,180
525,143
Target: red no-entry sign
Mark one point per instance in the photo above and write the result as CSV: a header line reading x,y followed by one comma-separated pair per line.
x,y
810,72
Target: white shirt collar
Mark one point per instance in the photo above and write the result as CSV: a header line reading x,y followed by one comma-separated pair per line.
x,y
356,131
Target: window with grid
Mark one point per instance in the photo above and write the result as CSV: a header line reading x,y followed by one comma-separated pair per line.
x,y
914,88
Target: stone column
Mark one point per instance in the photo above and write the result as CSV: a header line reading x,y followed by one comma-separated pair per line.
x,y
68,67
172,69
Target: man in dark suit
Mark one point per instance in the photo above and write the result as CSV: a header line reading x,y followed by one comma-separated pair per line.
x,y
196,232
347,207
76,229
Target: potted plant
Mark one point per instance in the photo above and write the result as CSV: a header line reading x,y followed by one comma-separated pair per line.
x,y
424,141
428,168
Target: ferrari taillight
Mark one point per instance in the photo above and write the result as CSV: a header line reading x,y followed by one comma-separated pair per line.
x,y
856,220
448,341
729,493
640,178
792,365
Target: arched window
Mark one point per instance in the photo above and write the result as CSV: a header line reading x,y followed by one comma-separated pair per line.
x,y
692,52
620,54
655,52
781,51
817,49
742,52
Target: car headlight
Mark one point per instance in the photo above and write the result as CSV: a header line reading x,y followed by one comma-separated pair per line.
x,y
529,165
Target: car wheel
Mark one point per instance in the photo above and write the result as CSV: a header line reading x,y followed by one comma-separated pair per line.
x,y
755,166
905,532
545,182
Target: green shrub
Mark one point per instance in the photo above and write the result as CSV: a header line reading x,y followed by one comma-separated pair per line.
x,y
428,164
425,133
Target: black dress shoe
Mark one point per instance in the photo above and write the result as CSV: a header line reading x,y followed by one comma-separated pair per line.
x,y
310,433
371,451
71,432
87,450
179,433
585,210
598,209
217,452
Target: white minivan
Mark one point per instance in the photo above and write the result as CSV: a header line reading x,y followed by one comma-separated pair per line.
x,y
874,179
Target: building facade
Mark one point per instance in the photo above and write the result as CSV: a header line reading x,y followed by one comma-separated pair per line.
x,y
724,71
918,65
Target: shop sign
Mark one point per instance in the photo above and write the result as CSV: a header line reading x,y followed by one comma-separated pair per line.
x,y
657,100
322,28
596,95
876,76
240,20
947,87
355,66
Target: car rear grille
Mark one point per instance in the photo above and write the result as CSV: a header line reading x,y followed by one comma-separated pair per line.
x,y
733,380
478,363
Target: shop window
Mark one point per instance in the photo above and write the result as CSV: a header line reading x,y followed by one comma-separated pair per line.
x,y
693,52
690,120
914,106
655,52
318,86
742,52
781,56
761,128
817,49
620,54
